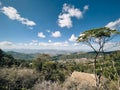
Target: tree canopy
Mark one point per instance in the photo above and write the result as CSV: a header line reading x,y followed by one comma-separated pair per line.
x,y
97,36
97,33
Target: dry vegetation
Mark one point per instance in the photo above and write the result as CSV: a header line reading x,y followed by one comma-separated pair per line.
x,y
46,74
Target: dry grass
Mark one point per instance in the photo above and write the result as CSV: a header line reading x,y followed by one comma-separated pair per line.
x,y
30,79
18,78
48,85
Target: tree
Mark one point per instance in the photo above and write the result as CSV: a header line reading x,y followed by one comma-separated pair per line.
x,y
99,37
6,60
1,54
39,61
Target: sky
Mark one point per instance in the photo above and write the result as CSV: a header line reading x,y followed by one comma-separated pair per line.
x,y
53,24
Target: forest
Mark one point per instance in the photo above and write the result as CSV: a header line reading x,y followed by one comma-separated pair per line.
x,y
46,72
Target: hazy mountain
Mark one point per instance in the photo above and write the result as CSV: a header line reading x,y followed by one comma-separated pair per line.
x,y
41,51
31,54
23,56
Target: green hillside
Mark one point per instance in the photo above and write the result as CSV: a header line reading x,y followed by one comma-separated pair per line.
x,y
23,56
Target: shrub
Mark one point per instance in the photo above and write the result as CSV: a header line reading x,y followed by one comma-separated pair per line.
x,y
17,79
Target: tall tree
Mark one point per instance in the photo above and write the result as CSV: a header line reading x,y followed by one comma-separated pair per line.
x,y
96,39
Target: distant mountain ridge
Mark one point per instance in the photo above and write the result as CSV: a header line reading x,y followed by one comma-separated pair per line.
x,y
33,53
41,51
22,56
30,54
55,54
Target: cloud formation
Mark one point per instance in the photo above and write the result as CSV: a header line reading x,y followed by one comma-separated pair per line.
x,y
49,41
114,24
13,14
6,43
69,11
41,35
86,7
56,34
76,44
72,38
53,44
35,44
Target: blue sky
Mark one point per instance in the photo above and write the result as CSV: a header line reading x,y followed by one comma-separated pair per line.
x,y
53,24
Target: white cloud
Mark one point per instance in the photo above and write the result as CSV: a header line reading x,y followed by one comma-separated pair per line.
x,y
66,43
56,34
6,43
41,35
13,14
35,41
49,41
55,45
62,44
43,44
86,7
39,45
72,38
112,45
69,11
114,24
76,44
65,20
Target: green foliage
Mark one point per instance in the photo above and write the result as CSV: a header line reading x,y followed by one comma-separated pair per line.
x,y
73,56
111,66
6,60
98,33
22,56
114,59
99,37
24,77
38,63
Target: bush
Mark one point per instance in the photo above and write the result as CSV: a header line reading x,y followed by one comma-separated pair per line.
x,y
17,79
48,85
